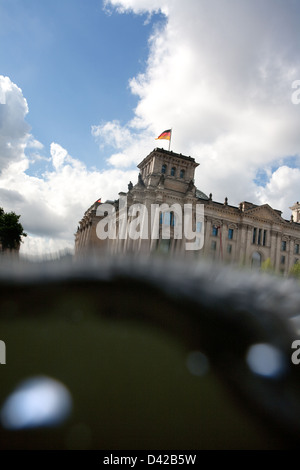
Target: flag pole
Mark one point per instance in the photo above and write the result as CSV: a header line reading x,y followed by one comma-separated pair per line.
x,y
170,140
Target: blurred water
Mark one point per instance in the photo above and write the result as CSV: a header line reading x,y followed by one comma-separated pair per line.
x,y
36,402
147,353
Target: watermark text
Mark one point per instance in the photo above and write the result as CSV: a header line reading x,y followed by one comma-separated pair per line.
x,y
296,94
159,221
2,352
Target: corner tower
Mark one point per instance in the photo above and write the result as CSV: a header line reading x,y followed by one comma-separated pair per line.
x,y
173,171
296,212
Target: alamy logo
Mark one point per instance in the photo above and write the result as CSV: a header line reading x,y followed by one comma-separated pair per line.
x,y
2,352
296,95
162,221
295,356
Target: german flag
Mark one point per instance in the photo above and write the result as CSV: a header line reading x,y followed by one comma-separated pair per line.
x,y
165,135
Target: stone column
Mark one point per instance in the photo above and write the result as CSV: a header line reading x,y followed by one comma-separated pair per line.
x,y
207,235
273,241
224,228
290,259
249,245
277,253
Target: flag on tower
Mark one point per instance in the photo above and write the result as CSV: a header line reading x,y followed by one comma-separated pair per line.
x,y
165,135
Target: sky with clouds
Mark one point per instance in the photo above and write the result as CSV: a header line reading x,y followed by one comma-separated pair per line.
x,y
85,87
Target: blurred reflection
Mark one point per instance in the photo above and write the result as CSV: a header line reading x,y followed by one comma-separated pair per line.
x,y
36,402
131,337
266,360
197,363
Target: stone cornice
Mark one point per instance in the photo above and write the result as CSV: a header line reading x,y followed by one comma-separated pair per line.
x,y
168,155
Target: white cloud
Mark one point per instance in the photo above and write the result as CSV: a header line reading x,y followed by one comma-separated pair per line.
x,y
113,134
141,6
13,127
134,142
35,247
58,155
281,189
50,205
221,74
34,144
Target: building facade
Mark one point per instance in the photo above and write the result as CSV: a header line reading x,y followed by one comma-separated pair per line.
x,y
247,234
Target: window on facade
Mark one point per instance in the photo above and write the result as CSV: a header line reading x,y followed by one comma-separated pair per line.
x,y
259,237
282,259
213,245
215,231
254,235
167,218
265,238
230,233
172,221
164,169
182,173
173,171
296,260
199,227
229,248
297,249
283,245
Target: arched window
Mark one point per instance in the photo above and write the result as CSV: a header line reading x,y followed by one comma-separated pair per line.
x,y
256,260
164,169
173,171
182,172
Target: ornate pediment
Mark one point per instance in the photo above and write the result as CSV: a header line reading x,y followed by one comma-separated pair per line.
x,y
265,213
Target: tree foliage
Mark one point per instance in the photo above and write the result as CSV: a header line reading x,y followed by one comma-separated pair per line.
x,y
267,266
295,270
11,230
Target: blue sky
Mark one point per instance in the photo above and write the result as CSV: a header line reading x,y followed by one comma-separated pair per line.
x,y
86,86
73,61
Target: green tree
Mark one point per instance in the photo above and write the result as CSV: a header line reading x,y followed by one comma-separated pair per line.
x,y
11,230
267,266
295,270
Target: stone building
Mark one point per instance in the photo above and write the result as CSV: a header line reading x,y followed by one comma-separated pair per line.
x,y
248,234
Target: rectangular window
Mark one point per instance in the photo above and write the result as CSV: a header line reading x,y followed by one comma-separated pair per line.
x,y
199,227
213,246
229,248
296,249
254,236
265,238
167,218
259,237
230,233
282,259
283,245
215,231
172,219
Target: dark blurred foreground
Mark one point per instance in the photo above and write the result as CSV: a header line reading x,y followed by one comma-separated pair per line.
x,y
147,354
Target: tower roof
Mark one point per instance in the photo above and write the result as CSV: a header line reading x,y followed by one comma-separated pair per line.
x,y
169,153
